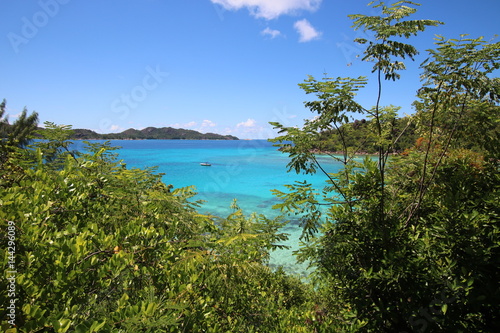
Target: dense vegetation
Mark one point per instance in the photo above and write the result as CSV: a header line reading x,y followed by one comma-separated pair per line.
x,y
99,247
359,137
151,133
406,242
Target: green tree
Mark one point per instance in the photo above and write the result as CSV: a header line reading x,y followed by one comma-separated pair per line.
x,y
409,243
103,248
55,144
20,132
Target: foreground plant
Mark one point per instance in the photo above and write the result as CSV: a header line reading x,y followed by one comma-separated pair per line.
x,y
98,247
409,242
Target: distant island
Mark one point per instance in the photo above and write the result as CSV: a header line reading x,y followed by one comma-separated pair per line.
x,y
150,133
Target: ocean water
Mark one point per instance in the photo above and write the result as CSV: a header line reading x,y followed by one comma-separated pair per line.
x,y
246,170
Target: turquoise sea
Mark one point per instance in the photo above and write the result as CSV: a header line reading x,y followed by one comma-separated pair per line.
x,y
246,170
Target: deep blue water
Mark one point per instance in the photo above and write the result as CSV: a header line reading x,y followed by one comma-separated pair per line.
x,y
246,170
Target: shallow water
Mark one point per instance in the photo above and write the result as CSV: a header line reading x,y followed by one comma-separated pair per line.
x,y
246,170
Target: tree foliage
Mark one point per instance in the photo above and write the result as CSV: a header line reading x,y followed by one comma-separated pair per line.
x,y
99,247
20,132
399,242
359,136
408,242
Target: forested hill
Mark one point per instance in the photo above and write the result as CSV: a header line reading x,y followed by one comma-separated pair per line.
x,y
164,133
361,136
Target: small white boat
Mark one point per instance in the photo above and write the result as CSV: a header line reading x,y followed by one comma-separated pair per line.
x,y
205,164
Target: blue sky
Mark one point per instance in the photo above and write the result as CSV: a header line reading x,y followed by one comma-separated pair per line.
x,y
222,66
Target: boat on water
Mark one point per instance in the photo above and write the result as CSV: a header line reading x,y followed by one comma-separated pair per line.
x,y
205,164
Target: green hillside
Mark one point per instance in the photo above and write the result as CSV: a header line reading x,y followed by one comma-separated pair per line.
x,y
151,133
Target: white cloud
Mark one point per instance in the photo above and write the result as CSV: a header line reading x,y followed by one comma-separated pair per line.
x,y
200,127
270,9
306,31
271,32
228,130
248,123
208,123
248,129
116,128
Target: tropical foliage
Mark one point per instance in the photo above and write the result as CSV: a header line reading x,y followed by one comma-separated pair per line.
x,y
99,247
405,240
359,136
18,133
408,242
